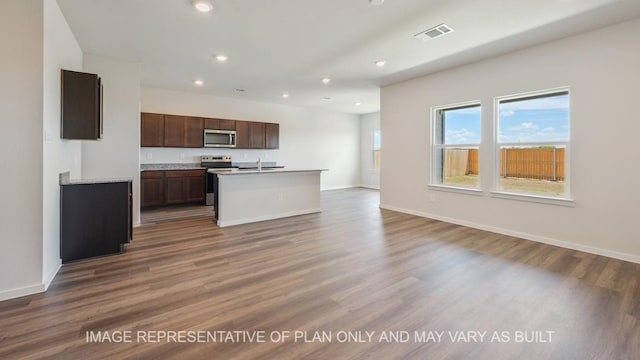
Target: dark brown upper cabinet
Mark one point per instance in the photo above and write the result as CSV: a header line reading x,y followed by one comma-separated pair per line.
x,y
162,130
250,135
256,135
193,132
151,130
183,131
272,136
219,124
174,130
242,134
81,106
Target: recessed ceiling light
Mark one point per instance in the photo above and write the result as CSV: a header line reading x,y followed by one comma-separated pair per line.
x,y
325,80
326,98
202,5
222,58
285,95
358,104
380,63
198,82
376,2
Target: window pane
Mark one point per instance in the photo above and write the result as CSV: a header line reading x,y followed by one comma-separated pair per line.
x,y
459,166
538,170
376,140
534,119
458,126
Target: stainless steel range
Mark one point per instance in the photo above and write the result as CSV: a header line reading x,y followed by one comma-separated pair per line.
x,y
214,162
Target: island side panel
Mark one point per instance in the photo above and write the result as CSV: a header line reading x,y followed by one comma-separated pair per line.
x,y
263,196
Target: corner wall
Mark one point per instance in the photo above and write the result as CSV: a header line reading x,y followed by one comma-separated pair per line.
x,y
309,138
369,177
116,155
61,51
601,68
21,144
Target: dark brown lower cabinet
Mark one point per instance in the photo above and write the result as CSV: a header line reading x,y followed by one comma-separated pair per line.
x,y
196,188
172,187
152,188
95,219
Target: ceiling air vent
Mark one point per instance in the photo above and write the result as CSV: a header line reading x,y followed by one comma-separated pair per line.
x,y
434,32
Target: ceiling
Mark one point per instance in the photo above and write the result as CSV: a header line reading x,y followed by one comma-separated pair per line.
x,y
277,46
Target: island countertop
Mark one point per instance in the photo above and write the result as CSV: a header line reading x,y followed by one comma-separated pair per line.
x,y
221,172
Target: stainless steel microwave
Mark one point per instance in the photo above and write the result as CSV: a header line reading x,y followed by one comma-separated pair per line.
x,y
219,138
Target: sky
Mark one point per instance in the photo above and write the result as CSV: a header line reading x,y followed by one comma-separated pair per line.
x,y
545,119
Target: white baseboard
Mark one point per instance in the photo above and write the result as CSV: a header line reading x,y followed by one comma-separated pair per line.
x,y
522,235
23,291
49,278
268,217
369,187
339,187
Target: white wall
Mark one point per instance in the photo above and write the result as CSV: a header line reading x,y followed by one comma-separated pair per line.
x,y
368,176
116,155
308,138
61,50
21,65
601,67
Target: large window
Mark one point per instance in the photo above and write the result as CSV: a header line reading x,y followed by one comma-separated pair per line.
x,y
376,150
533,144
456,139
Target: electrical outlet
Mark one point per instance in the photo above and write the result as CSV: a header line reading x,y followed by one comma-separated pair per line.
x,y
182,156
432,197
48,137
280,196
149,156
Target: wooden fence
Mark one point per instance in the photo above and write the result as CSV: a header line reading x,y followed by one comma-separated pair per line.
x,y
529,163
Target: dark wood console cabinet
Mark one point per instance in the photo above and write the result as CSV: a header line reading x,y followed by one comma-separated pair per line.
x,y
95,219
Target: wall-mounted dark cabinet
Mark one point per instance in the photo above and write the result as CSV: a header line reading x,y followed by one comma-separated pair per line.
x,y
95,220
193,132
250,135
151,129
242,134
272,136
219,124
256,135
161,130
81,106
172,187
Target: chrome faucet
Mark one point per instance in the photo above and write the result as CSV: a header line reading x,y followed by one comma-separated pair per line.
x,y
259,162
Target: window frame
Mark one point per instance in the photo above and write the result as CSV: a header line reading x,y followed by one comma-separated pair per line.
x,y
496,191
374,150
434,183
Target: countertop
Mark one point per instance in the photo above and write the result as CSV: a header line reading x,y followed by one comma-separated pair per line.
x,y
177,166
94,181
196,166
256,171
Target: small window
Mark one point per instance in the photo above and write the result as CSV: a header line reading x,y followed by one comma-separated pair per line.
x,y
456,136
376,150
533,144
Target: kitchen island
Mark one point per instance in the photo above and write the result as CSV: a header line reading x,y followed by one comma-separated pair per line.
x,y
246,196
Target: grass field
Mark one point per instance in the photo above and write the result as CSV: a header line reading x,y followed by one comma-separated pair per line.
x,y
531,186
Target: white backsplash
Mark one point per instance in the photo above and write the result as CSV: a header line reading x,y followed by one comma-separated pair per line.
x,y
152,155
